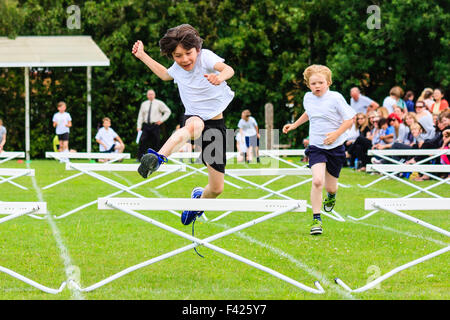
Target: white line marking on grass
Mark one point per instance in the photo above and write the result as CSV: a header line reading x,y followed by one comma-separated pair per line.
x,y
70,269
400,232
316,274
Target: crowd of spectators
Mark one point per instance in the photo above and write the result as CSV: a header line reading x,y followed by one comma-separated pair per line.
x,y
401,122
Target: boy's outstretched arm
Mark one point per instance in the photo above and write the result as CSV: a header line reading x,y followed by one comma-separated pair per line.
x,y
226,72
156,67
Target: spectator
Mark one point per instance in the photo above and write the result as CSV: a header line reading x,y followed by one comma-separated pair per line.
x,y
362,144
241,148
109,141
152,113
394,98
62,121
425,119
409,100
427,98
248,128
440,104
361,103
2,135
352,135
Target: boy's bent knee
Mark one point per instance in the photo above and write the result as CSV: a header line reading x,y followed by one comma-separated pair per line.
x,y
317,183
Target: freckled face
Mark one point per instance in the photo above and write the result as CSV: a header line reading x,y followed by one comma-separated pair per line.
x,y
185,58
318,84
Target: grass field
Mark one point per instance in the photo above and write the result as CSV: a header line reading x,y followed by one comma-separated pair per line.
x,y
99,243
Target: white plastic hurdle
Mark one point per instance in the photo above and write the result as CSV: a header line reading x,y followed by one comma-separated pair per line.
x,y
91,168
276,207
389,170
281,172
387,155
83,155
393,205
14,210
14,174
277,154
9,155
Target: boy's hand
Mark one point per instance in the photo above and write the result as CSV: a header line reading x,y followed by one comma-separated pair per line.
x,y
213,79
331,137
287,128
138,49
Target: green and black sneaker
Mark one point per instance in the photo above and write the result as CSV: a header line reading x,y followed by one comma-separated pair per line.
x,y
329,202
316,227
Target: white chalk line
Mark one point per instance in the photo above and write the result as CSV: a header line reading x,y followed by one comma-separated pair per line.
x,y
64,252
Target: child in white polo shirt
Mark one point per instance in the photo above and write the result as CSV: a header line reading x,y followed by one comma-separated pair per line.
x,y
109,141
329,118
201,77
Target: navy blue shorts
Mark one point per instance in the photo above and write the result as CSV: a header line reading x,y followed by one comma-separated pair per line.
x,y
334,158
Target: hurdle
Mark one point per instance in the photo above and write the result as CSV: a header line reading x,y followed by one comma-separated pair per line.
x,y
393,205
14,174
389,170
277,154
80,156
91,168
9,155
281,172
14,210
387,155
275,207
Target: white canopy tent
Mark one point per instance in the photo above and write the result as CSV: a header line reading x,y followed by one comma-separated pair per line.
x,y
52,51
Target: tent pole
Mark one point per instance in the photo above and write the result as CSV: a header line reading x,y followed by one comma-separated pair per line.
x,y
89,110
27,113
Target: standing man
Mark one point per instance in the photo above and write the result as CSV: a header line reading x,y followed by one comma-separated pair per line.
x,y
361,103
152,114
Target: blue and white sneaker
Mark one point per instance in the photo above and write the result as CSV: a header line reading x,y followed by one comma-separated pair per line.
x,y
150,162
188,216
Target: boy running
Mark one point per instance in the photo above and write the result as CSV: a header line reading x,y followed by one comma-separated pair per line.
x,y
329,116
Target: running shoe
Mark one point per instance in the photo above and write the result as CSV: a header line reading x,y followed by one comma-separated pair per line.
x,y
188,216
316,227
150,162
328,203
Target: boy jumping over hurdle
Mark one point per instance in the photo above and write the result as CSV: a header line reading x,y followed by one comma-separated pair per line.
x,y
329,118
201,78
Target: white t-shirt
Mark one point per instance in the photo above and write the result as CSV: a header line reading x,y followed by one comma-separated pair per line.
x,y
199,96
388,103
107,137
2,133
248,127
360,105
62,119
326,114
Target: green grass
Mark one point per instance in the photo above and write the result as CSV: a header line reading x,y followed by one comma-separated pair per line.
x,y
101,243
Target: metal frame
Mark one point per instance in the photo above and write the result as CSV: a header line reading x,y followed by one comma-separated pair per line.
x,y
125,205
14,173
88,168
393,205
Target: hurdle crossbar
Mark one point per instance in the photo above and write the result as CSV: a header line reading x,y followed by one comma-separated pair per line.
x,y
125,167
14,174
86,155
269,172
9,155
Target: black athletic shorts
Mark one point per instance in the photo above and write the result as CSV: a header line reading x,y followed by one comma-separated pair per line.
x,y
213,143
63,137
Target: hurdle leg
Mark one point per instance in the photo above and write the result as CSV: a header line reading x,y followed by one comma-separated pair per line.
x,y
392,272
3,180
62,180
410,184
415,220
